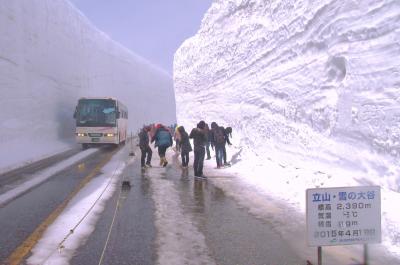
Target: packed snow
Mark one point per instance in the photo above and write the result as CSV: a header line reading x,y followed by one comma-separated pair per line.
x,y
50,56
311,91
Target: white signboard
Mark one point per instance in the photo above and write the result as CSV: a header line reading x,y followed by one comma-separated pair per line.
x,y
343,216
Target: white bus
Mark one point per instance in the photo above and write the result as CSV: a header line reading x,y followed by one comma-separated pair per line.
x,y
100,121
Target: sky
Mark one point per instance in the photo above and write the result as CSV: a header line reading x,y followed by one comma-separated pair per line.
x,y
152,29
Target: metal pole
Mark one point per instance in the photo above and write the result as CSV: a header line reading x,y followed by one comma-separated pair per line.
x,y
319,255
365,254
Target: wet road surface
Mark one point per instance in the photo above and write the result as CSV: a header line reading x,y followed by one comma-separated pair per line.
x,y
232,234
133,232
20,217
13,178
229,232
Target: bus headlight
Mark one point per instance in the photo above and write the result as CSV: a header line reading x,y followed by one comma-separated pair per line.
x,y
81,134
109,134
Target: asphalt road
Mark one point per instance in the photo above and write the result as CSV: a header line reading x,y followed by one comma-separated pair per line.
x,y
21,217
132,233
232,234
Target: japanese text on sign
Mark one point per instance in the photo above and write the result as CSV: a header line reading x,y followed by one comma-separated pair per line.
x,y
342,216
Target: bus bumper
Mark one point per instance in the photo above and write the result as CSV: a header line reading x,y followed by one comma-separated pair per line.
x,y
96,140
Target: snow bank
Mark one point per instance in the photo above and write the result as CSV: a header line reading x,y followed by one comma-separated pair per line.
x,y
51,55
310,88
283,67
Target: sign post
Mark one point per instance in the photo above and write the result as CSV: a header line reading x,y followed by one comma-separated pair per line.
x,y
365,254
343,216
319,255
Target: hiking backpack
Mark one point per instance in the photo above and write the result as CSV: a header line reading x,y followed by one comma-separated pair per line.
x,y
219,136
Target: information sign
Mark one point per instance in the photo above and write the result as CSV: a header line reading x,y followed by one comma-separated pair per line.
x,y
343,216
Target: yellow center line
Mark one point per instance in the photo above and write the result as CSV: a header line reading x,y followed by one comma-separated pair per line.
x,y
20,252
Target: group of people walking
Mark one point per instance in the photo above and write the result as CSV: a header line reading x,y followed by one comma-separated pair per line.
x,y
203,137
162,137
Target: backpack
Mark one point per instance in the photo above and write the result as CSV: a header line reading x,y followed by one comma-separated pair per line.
x,y
163,138
219,136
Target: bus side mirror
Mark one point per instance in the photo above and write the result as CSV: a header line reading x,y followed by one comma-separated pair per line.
x,y
75,112
118,114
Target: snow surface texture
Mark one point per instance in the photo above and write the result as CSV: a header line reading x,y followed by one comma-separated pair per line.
x,y
311,89
51,55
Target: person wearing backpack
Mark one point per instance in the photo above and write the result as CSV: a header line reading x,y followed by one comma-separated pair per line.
x,y
163,140
199,137
218,142
184,146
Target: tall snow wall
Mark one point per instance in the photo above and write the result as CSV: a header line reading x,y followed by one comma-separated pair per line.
x,y
51,55
293,72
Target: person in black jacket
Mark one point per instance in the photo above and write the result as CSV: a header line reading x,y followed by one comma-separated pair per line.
x,y
184,146
208,142
145,147
218,142
227,132
199,137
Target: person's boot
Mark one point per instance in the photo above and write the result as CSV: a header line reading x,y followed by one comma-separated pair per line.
x,y
165,162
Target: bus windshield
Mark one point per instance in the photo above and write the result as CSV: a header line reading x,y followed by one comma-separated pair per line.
x,y
96,112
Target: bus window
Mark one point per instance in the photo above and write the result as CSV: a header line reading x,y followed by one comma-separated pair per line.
x,y
96,112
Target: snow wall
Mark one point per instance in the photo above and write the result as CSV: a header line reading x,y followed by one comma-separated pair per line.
x,y
296,75
51,55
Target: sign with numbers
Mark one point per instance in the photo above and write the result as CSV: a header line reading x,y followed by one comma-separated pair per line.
x,y
343,216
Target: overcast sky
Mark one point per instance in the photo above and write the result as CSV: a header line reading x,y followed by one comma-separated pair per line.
x,y
153,29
